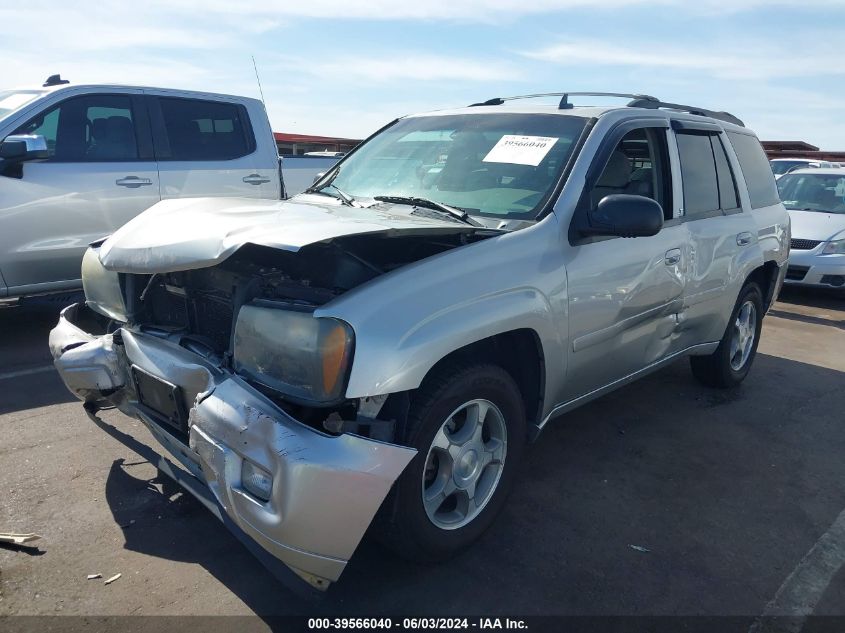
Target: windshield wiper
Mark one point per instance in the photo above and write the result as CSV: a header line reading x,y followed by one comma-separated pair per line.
x,y
344,197
454,212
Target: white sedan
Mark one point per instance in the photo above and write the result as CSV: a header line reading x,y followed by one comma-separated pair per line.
x,y
781,166
815,199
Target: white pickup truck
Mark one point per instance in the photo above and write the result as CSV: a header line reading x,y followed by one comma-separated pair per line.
x,y
79,161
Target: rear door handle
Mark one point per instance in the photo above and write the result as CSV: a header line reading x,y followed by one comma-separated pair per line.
x,y
255,179
744,239
133,182
673,256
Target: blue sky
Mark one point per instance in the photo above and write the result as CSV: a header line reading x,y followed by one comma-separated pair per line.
x,y
345,67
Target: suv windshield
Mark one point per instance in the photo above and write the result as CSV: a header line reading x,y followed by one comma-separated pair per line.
x,y
11,100
500,165
813,192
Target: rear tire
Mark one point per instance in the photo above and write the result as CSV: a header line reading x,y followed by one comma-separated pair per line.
x,y
467,422
730,363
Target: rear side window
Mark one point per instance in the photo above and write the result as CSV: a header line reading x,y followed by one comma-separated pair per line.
x,y
759,179
698,173
708,181
205,130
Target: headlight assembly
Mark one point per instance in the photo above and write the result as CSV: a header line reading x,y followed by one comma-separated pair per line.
x,y
102,288
834,247
302,357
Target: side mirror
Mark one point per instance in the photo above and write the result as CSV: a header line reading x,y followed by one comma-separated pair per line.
x,y
21,147
317,177
624,215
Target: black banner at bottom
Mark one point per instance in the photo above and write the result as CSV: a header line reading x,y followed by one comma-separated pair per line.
x,y
534,624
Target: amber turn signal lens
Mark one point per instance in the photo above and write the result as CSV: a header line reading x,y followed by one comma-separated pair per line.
x,y
334,357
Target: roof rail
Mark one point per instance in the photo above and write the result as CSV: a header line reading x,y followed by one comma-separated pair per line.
x,y
564,101
654,104
637,101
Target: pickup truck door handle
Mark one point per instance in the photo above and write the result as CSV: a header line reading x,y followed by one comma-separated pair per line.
x,y
255,179
133,182
673,256
743,239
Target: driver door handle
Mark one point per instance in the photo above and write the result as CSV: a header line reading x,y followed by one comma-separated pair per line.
x,y
133,182
673,256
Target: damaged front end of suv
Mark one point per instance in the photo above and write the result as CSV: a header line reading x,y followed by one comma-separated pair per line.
x,y
215,345
384,333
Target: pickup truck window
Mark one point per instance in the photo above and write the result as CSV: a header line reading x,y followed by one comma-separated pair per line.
x,y
90,128
755,169
204,130
503,165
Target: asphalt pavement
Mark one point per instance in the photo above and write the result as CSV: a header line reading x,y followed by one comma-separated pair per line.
x,y
663,498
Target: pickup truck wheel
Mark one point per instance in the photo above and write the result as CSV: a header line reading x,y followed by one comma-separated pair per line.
x,y
731,361
467,423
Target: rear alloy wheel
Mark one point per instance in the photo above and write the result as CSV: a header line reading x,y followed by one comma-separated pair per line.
x,y
743,335
467,423
732,360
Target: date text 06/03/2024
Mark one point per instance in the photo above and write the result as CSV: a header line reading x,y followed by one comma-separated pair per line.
x,y
416,624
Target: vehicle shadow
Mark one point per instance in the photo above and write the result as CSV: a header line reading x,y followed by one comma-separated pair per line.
x,y
32,391
23,336
828,306
27,379
723,491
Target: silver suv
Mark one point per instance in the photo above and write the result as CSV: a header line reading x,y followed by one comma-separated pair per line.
x,y
387,342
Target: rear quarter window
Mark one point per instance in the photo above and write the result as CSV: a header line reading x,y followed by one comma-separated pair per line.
x,y
754,165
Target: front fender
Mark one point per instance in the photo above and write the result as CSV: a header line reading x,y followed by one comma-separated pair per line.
x,y
408,320
388,361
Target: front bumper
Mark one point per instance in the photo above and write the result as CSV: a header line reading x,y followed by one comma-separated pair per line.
x,y
809,268
326,489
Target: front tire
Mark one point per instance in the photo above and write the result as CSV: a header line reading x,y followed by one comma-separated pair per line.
x,y
467,423
730,363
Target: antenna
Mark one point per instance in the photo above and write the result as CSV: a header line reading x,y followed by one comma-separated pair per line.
x,y
258,79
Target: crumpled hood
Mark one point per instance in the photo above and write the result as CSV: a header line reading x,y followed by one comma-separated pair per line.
x,y
189,233
815,225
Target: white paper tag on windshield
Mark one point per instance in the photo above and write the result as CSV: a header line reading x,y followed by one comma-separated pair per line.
x,y
520,150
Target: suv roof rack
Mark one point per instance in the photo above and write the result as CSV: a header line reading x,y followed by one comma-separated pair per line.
x,y
637,101
713,114
564,101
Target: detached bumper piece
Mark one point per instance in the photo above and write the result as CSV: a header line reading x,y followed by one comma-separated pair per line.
x,y
323,490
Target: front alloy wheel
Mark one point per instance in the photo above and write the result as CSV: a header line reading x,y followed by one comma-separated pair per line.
x,y
464,464
467,422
